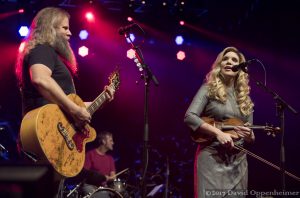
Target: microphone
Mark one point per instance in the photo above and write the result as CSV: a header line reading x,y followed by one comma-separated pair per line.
x,y
242,66
125,29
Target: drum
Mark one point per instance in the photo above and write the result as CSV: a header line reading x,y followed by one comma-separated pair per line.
x,y
118,185
105,193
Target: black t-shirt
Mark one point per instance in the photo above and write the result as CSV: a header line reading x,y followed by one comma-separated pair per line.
x,y
46,55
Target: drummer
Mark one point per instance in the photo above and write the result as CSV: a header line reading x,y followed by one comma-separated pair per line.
x,y
97,160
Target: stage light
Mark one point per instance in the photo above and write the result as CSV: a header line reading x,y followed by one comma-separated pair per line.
x,y
181,22
180,55
130,54
83,34
21,10
129,19
90,17
21,47
132,38
179,40
83,51
23,31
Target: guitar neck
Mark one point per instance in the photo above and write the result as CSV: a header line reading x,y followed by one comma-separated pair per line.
x,y
230,127
97,103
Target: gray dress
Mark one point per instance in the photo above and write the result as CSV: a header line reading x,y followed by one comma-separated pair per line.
x,y
218,172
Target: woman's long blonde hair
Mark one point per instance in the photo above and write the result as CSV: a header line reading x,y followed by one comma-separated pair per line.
x,y
42,31
216,87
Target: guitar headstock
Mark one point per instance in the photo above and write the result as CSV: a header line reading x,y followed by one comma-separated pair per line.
x,y
272,130
114,79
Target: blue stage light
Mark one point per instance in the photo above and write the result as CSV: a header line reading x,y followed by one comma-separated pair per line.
x,y
23,31
83,34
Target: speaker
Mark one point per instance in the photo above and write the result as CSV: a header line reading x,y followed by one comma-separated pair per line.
x,y
27,181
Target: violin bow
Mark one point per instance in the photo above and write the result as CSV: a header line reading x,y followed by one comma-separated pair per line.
x,y
265,161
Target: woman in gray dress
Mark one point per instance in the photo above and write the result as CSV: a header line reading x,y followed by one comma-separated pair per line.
x,y
220,169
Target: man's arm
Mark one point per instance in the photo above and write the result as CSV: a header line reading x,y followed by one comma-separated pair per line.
x,y
41,78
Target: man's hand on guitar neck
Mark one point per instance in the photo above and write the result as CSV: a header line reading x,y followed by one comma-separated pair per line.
x,y
109,92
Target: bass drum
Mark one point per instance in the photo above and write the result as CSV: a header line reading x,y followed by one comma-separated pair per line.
x,y
105,193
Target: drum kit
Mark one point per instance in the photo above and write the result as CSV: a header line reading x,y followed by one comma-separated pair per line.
x,y
117,189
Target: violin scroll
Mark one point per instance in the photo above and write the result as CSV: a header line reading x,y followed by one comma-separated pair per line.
x,y
271,130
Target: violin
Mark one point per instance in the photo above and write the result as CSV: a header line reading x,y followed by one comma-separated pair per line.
x,y
227,126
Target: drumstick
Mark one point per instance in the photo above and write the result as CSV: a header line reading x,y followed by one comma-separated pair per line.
x,y
119,173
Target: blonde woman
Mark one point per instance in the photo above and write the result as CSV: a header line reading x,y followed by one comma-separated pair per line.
x,y
219,168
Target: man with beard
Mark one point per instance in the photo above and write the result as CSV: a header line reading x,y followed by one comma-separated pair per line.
x,y
47,64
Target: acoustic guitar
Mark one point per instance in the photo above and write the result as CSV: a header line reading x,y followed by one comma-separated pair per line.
x,y
49,133
227,127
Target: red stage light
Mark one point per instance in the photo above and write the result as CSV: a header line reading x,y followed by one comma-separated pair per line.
x,y
180,55
90,17
21,10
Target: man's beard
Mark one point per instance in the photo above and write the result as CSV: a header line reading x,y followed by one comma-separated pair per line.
x,y
63,48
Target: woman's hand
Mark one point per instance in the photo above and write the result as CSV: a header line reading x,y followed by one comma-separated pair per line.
x,y
225,139
244,132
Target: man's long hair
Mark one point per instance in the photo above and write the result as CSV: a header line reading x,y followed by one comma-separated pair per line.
x,y
216,87
43,31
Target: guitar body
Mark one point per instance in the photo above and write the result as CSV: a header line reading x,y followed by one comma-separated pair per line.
x,y
48,133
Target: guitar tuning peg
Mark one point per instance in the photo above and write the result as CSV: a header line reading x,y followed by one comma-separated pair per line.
x,y
269,133
273,135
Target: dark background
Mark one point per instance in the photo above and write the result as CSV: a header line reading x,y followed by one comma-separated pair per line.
x,y
266,30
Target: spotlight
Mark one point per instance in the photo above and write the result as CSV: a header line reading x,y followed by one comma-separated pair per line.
x,y
181,22
23,31
130,54
83,34
21,11
83,51
129,19
90,17
180,55
179,40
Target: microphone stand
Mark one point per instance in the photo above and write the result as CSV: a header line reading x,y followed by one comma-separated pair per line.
x,y
281,105
167,178
147,76
74,189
